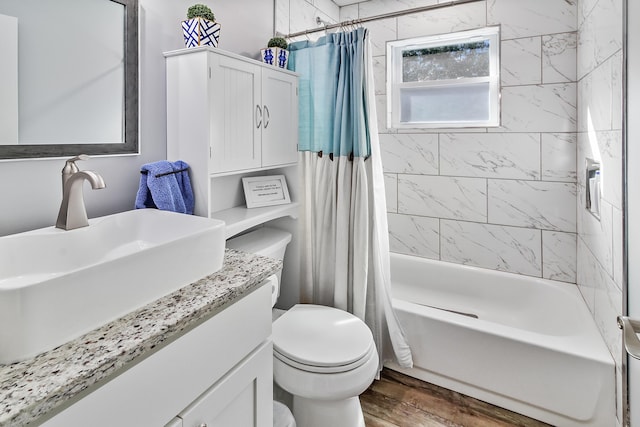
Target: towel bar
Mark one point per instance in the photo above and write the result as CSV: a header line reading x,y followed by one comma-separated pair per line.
x,y
165,173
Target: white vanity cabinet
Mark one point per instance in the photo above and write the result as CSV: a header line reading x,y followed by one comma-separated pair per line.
x,y
234,112
217,374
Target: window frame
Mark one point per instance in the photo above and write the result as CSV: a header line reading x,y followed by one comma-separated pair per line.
x,y
395,84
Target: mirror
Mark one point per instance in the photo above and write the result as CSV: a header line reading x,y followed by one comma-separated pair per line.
x,y
68,78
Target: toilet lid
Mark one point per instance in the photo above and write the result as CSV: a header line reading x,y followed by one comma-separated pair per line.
x,y
323,337
335,369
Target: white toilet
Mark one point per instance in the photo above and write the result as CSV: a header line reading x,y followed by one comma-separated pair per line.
x,y
323,356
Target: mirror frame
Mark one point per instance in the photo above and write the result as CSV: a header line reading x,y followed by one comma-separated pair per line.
x,y
130,144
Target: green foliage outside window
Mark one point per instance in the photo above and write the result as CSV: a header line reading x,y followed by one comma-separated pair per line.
x,y
454,61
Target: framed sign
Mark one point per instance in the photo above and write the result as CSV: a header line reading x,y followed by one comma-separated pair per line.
x,y
262,191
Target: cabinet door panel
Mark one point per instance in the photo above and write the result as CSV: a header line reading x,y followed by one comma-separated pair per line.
x,y
241,399
236,115
280,133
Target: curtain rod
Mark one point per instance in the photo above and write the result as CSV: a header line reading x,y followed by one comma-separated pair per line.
x,y
378,17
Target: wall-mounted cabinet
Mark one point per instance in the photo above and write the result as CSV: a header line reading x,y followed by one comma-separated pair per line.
x,y
228,115
251,115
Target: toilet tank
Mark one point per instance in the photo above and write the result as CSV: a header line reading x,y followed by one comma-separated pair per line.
x,y
264,241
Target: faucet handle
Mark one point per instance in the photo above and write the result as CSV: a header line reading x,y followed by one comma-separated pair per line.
x,y
70,165
79,157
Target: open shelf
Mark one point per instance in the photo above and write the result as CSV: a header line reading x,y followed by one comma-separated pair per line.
x,y
240,218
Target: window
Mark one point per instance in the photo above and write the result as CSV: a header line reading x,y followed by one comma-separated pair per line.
x,y
445,81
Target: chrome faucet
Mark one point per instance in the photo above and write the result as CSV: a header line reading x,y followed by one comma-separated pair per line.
x,y
72,213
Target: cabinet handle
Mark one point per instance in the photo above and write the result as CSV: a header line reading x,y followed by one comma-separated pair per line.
x,y
267,116
258,111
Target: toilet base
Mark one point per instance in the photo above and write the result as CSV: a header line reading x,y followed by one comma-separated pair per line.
x,y
323,413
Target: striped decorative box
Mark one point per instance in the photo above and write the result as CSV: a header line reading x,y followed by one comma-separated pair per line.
x,y
200,32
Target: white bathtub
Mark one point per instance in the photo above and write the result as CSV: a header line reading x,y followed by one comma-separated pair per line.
x,y
534,348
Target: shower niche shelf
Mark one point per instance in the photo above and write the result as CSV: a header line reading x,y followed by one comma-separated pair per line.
x,y
593,188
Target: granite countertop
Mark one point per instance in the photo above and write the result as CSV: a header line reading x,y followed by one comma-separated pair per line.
x,y
34,387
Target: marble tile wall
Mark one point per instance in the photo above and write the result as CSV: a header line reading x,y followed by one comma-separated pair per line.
x,y
501,198
599,125
299,15
526,173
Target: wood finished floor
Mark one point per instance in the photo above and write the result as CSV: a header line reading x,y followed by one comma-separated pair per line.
x,y
397,400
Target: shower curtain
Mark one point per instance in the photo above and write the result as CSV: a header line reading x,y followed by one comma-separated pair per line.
x,y
345,249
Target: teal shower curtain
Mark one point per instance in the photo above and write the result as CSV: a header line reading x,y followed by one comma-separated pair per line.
x,y
332,94
345,244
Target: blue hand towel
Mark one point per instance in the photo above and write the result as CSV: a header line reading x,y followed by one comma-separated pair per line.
x,y
166,186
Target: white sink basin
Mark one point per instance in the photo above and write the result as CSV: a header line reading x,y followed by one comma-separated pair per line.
x,y
56,285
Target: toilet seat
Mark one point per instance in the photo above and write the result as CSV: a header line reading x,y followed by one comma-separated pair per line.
x,y
336,369
321,339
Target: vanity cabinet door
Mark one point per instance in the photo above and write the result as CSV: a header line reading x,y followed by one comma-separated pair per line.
x,y
243,398
236,114
280,118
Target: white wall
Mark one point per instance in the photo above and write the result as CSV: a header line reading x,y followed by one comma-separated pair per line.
x,y
599,253
31,189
